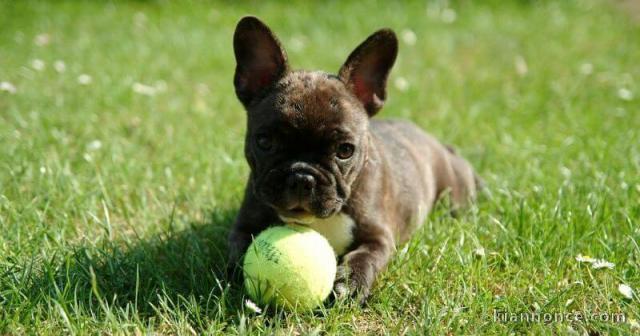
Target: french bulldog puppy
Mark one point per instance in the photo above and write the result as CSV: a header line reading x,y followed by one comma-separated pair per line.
x,y
317,159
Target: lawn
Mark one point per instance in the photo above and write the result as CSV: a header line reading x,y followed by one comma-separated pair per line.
x,y
121,164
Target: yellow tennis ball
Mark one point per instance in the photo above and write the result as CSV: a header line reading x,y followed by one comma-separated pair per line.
x,y
292,266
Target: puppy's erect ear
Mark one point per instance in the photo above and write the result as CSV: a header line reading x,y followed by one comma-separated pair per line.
x,y
260,59
365,71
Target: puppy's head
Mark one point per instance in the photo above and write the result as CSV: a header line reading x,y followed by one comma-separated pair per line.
x,y
307,133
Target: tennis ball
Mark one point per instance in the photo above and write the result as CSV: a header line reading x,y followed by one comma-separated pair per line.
x,y
292,266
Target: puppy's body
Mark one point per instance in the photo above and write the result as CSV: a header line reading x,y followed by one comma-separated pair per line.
x,y
317,159
419,169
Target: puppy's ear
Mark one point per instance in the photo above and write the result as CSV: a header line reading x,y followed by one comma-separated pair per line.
x,y
366,69
260,59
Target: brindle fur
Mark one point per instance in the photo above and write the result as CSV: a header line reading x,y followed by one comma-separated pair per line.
x,y
387,187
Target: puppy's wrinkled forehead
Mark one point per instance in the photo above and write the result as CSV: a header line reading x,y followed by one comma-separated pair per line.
x,y
316,100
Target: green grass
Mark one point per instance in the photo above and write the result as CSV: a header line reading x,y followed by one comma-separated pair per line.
x,y
114,206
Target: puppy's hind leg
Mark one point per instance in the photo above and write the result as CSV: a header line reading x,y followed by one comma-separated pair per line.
x,y
465,183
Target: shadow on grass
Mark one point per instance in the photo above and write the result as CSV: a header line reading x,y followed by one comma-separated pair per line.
x,y
183,270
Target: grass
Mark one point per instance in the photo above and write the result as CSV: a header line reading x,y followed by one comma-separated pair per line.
x,y
114,205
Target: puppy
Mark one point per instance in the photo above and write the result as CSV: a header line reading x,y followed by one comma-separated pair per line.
x,y
317,159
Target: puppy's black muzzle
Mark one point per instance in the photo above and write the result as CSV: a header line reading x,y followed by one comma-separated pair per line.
x,y
300,185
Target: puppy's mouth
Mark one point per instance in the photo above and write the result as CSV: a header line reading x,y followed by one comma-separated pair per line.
x,y
298,215
304,215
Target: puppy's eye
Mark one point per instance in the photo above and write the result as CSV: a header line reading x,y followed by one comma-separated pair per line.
x,y
265,142
345,150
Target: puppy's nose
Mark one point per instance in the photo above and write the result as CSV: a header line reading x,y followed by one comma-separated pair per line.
x,y
301,183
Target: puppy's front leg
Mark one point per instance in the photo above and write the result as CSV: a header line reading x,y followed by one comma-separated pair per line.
x,y
252,219
238,242
360,267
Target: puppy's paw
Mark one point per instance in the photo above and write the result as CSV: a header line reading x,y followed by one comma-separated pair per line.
x,y
348,287
238,243
342,286
234,272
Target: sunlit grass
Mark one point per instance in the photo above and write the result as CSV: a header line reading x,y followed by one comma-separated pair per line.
x,y
121,163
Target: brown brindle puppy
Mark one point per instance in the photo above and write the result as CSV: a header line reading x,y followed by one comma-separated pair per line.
x,y
317,159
